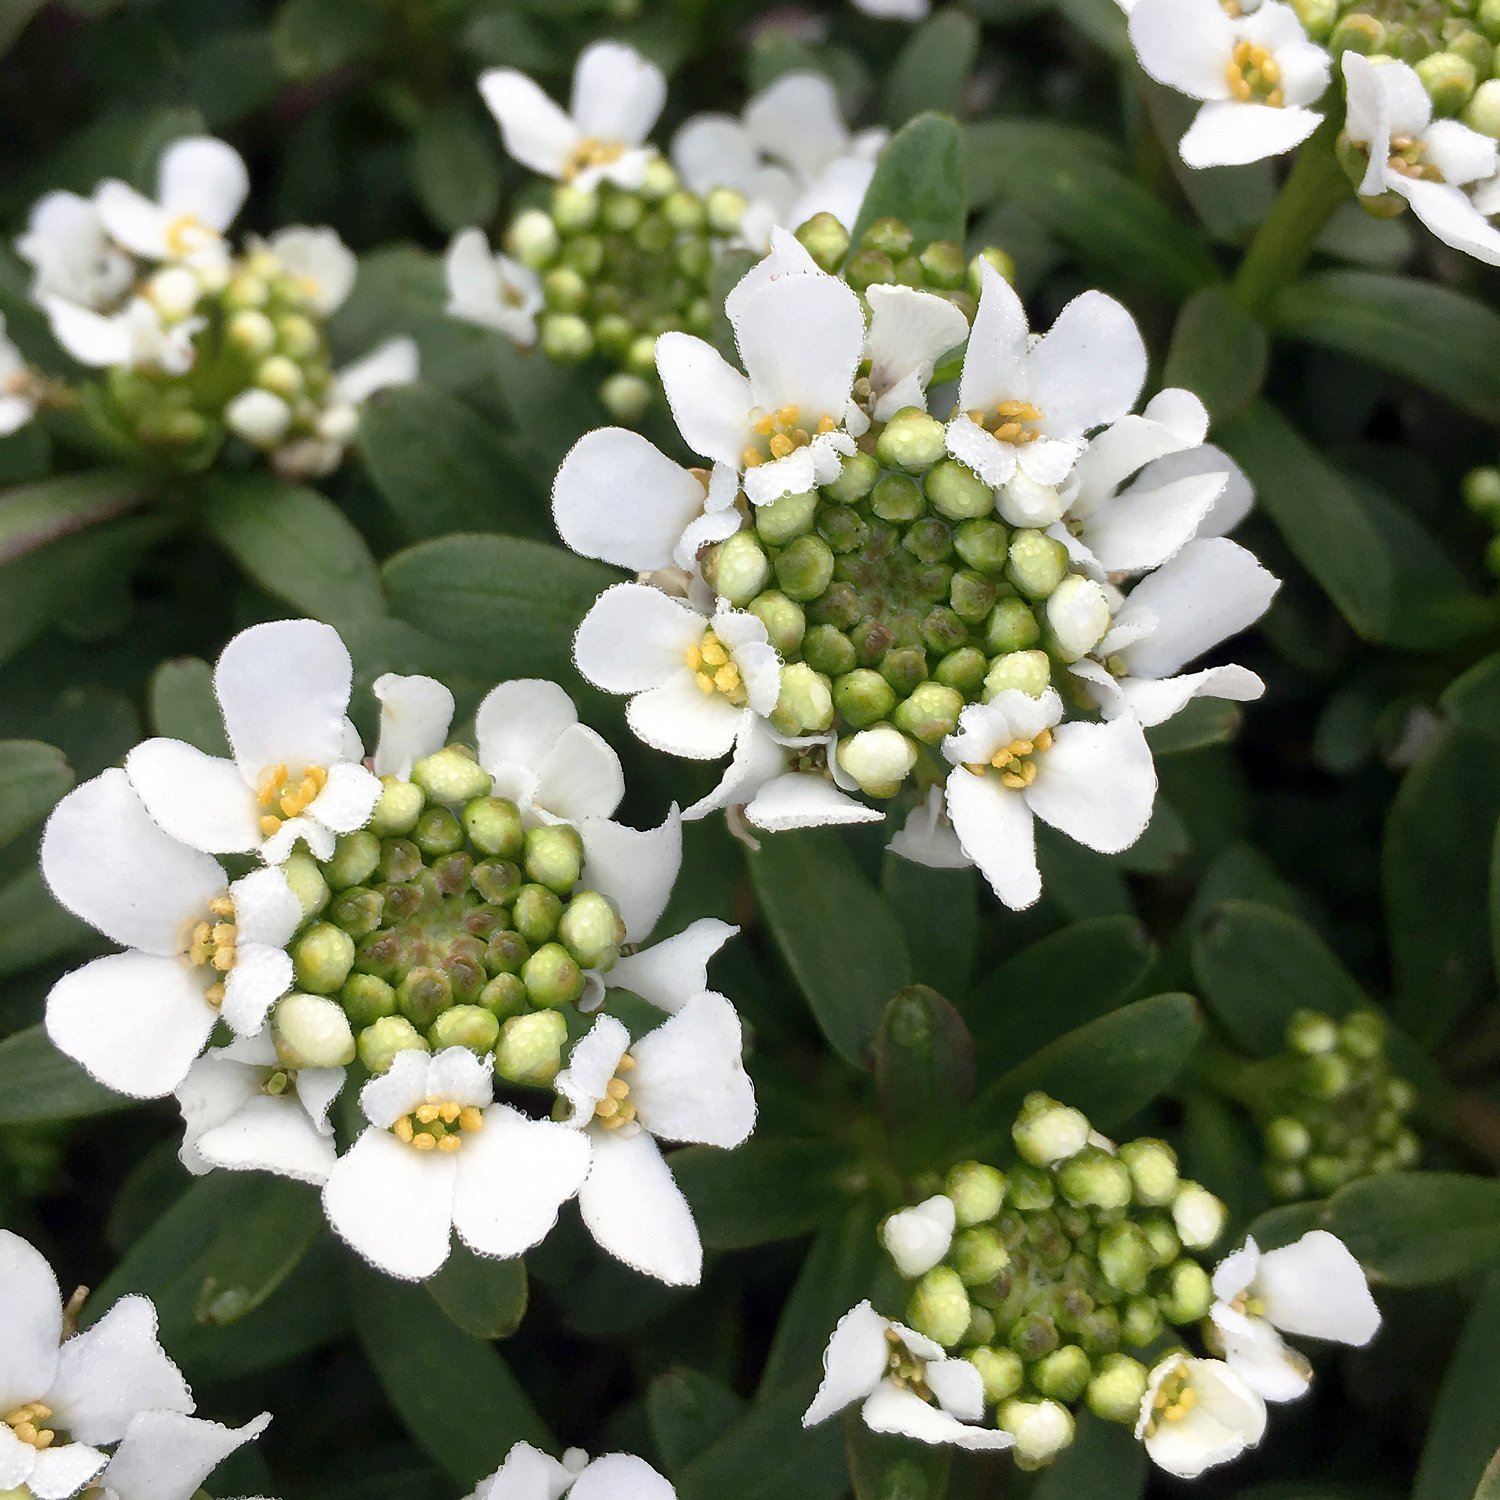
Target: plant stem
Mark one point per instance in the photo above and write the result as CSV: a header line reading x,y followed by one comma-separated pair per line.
x,y
1315,187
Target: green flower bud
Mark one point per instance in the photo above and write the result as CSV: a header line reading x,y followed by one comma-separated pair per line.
x,y
355,857
963,670
879,759
322,958
306,880
1125,1256
247,290
805,568
1450,81
843,529
971,595
957,492
281,376
805,703
786,625
856,479
505,952
1362,1035
828,650
1140,1322
1077,616
1327,1174
684,211
553,857
887,235
661,179
641,357
838,605
493,826
943,630
929,713
621,211
505,996
591,930
366,999
1162,1237
423,994
1063,1374
998,259
496,880
573,210
867,268
978,1256
983,544
252,333
1310,1033
399,806
1188,1294
438,833
1287,1139
1117,1389
825,239
1095,1179
981,1329
784,520
1037,563
943,265
358,910
532,238
1325,1077
939,1306
1099,1331
977,1191
566,338
379,1044
1198,1216
627,398
530,1048
1046,1131
1025,671
897,498
1029,1190
1482,113
726,210
536,913
471,1026
311,1031
1001,1371
738,568
863,697
297,337
451,776
1286,1183
911,440
552,977
1042,1429
1153,1171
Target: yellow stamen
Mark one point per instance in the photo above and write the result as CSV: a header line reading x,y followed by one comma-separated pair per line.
x,y
425,1142
471,1118
404,1129
426,1113
449,1143
591,152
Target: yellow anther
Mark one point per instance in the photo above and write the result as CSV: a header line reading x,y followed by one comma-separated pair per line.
x,y
712,651
825,423
705,682
787,416
471,1117
268,824
752,458
426,1113
694,657
448,1112
223,959
727,679
425,1142
214,994
225,932
765,426
450,1143
1254,75
1010,432
590,152
780,445
184,232
617,1088
404,1130
222,906
607,1107
627,1063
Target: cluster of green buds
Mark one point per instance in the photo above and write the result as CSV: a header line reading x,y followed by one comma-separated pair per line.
x,y
447,922
895,597
1329,1107
1067,1274
1481,492
620,267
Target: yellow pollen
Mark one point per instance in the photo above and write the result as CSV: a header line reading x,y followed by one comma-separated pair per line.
x,y
1014,761
448,1112
714,669
213,945
1254,75
449,1143
438,1125
590,152
615,1108
184,232
425,1142
471,1117
781,432
1010,421
28,1422
752,458
283,798
214,994
780,445
426,1114
404,1129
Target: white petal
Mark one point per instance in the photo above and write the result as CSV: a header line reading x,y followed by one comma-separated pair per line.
x,y
1316,1288
995,361
526,1474
1153,701
1097,784
397,1091
681,719
805,800
909,332
927,837
519,722
1257,1354
619,498
621,1476
636,868
894,1409
513,1177
1088,368
215,1089
535,130
266,912
968,442
801,339
1236,499
107,862
710,399
793,475
853,1363
1012,715
316,835
670,972
1184,44
63,1469
415,716
617,93
788,257
591,1065
347,799
112,1371
395,362
635,1210
958,1386
1048,461
1145,526
317,1088
689,1082
166,1456
17,1459
1452,217
132,219
759,756
15,412
920,1236
797,119
260,977
31,1314
200,800
1230,134
636,637
995,828
1460,154
203,177
133,1020
271,1135
580,776
1236,1271
460,1075
322,264
714,150
1227,1418
393,1204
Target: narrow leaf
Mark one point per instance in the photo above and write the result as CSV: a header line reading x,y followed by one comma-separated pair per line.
x,y
38,1083
920,180
1465,1431
484,1296
33,776
259,1248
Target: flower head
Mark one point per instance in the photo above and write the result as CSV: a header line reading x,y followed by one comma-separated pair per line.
x,y
72,255
137,337
201,185
167,1456
1197,1413
491,290
17,401
322,267
530,1474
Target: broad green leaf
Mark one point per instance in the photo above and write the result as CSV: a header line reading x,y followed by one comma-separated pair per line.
x,y
33,927
932,68
258,1248
1286,1223
33,515
453,168
1109,1068
1412,1228
313,37
768,1189
839,937
1204,722
33,776
296,545
924,1074
769,1455
1438,338
1218,351
454,1394
1070,180
939,912
484,1296
881,1466
551,406
513,605
183,706
1105,1462
688,1410
919,180
38,1083
1465,1431
439,465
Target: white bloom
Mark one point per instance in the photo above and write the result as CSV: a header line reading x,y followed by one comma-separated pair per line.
x,y
395,362
1313,1287
415,716
201,185
920,1236
17,405
877,1362
1212,589
260,417
530,1474
684,1081
167,1456
1012,763
494,1175
89,1387
283,688
243,1111
1428,162
135,338
196,946
490,289
321,264
617,96
1197,1412
1256,73
927,837
895,10
68,247
694,680
801,338
909,332
671,972
1024,405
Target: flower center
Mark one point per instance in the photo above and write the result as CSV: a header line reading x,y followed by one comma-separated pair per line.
x,y
186,233
1174,1399
590,152
438,1125
284,798
615,1108
1011,421
905,1368
1253,75
714,670
1406,159
1252,1307
1016,761
214,944
29,1423
781,432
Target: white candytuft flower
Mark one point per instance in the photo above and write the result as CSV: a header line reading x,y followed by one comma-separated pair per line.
x,y
321,265
69,249
201,185
1197,1413
167,1456
920,1236
530,1474
491,289
17,402
135,338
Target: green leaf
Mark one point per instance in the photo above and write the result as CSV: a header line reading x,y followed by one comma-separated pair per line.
x,y
33,927
1412,1228
881,1466
296,545
919,180
453,169
838,936
1073,182
484,1296
1105,1462
1218,351
454,1394
313,37
439,465
688,1410
514,605
1465,1431
939,912
183,706
1204,722
259,1248
768,1189
1109,1068
1489,1481
33,515
38,1083
924,1074
1438,338
932,68
33,776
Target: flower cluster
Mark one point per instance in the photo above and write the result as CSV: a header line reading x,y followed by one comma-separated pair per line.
x,y
194,340
864,597
436,918
530,1474
1031,1284
104,1410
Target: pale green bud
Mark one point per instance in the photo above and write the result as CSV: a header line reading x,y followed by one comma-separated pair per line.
x,y
438,832
929,712
879,759
536,913
423,994
564,290
784,520
641,356
552,977
591,930
504,996
493,825
252,333
856,479
863,697
1125,1256
1001,1371
1198,1216
1046,1131
1063,1374
726,210
566,338
573,210
366,999
1162,1237
1189,1293
451,776
984,545
281,376
978,1256
305,878
939,1306
957,492
1095,1179
912,440
297,336
626,397
322,958
1026,671
1450,81
1078,616
825,239
1140,1322
379,1044
738,568
1317,17
804,569
399,806
553,857
1310,1033
355,857
977,1191
1482,113
1362,1035
470,1026
1288,1139
1042,1429
1117,1389
1037,563
530,1048
661,180
786,625
1153,1171
532,238
805,702
311,1031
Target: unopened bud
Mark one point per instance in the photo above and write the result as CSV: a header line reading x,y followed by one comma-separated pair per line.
x,y
726,210
258,417
1117,1389
929,713
399,806
863,697
1030,1189
943,265
1310,1032
784,520
856,479
379,1044
566,338
1482,113
738,568
1078,616
311,1031
825,239
1362,1035
995,257
553,857
1140,1322
252,333
1063,1374
939,1306
280,375
438,832
355,857
1188,1295
912,440
1001,1371
1095,1179
978,1256
957,492
977,1191
367,999
920,1236
879,759
786,625
591,930
471,1026
322,958
1450,81
423,994
626,397
1046,1131
1037,563
1125,1256
1288,1139
1042,1429
305,878
805,702
1153,1171
536,913
451,776
552,977
533,238
530,1048
804,569
1198,1216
